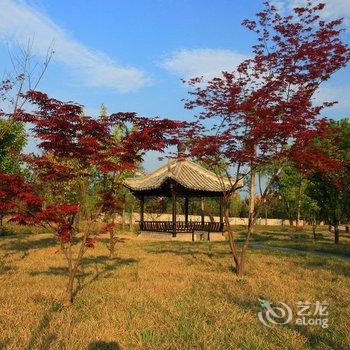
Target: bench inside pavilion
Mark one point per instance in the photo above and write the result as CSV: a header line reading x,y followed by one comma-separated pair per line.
x,y
179,179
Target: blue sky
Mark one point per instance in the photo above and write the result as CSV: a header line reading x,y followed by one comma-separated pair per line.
x,y
131,55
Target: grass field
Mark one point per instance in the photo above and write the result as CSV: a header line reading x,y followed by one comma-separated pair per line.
x,y
172,295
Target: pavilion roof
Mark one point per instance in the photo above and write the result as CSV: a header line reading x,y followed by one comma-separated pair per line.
x,y
188,174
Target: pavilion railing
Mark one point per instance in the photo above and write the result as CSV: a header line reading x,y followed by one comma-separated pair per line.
x,y
181,226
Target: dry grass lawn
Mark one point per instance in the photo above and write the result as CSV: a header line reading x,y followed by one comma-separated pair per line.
x,y
171,295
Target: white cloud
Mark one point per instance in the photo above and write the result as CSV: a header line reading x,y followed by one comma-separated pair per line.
x,y
202,62
334,8
20,22
332,93
280,5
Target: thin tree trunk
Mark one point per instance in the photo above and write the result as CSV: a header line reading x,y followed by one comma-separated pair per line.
x,y
70,287
111,243
73,268
231,240
131,223
298,207
207,211
123,218
251,220
112,240
314,225
202,213
1,224
240,260
70,284
251,198
241,266
336,234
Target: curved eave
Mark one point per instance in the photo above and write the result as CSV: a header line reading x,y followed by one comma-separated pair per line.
x,y
195,189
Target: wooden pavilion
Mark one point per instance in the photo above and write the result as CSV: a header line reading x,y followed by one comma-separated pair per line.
x,y
184,179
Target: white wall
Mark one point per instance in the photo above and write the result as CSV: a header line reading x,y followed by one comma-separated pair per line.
x,y
180,217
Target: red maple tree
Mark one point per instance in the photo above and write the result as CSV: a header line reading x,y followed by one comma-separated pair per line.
x,y
263,112
18,199
73,149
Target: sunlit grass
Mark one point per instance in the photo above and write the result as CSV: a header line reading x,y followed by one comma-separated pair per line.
x,y
170,294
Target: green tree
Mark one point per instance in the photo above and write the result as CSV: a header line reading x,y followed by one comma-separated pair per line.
x,y
311,213
11,144
331,190
291,187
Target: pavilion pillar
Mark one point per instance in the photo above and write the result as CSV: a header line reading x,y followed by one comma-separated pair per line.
x,y
202,212
173,195
221,211
186,211
142,211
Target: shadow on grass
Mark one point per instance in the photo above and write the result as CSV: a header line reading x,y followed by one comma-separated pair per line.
x,y
25,245
40,339
335,266
320,338
103,267
103,345
6,268
340,251
336,262
317,338
289,236
193,253
9,232
210,249
105,240
4,343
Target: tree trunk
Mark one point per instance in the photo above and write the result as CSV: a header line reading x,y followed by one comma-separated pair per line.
x,y
314,225
112,240
207,211
298,207
82,196
251,198
73,265
251,220
202,213
111,243
72,273
69,289
240,260
231,240
131,223
1,224
336,234
123,218
72,269
241,266
70,286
